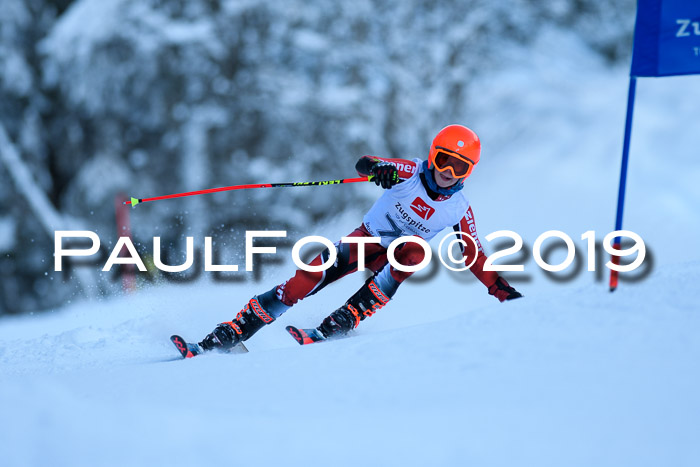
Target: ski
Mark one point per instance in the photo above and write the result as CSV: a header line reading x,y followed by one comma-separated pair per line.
x,y
189,350
305,336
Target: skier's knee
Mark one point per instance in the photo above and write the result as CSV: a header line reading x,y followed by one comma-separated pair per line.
x,y
409,254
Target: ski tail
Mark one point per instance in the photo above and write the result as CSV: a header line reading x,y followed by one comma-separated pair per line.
x,y
185,349
240,348
305,336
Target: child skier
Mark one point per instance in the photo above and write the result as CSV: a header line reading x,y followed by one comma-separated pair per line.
x,y
422,198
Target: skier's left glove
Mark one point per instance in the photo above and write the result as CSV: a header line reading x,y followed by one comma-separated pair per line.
x,y
503,291
384,174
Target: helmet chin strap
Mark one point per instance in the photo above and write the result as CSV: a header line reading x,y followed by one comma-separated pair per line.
x,y
432,184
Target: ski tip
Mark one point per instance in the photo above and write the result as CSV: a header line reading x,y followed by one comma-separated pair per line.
x,y
305,336
296,334
134,201
182,346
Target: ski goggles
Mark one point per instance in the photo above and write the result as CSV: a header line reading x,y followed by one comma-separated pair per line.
x,y
460,166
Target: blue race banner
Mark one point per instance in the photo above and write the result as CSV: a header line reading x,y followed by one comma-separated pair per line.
x,y
666,38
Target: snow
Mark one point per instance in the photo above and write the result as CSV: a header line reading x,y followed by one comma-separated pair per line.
x,y
606,379
16,76
23,179
101,14
569,375
8,227
38,202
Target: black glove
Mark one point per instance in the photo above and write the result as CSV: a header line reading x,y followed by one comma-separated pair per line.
x,y
384,174
503,291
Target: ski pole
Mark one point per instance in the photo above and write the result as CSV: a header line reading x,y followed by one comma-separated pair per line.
x,y
134,201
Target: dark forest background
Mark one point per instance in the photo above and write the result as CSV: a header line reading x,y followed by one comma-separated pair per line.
x,y
146,97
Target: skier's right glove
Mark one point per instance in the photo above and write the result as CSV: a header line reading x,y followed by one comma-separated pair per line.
x,y
503,291
384,174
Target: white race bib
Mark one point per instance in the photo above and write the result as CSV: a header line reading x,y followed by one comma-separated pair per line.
x,y
406,209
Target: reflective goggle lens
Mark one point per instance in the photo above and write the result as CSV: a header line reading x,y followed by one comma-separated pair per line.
x,y
458,166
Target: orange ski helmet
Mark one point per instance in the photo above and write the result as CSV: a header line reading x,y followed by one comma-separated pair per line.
x,y
455,148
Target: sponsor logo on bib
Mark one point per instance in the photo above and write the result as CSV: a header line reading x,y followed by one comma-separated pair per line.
x,y
421,208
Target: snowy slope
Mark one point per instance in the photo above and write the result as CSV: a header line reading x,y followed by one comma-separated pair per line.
x,y
578,377
570,375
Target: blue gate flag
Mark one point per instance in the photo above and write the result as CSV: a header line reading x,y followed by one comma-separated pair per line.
x,y
666,38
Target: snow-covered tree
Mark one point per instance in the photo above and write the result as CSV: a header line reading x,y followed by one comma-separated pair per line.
x,y
151,97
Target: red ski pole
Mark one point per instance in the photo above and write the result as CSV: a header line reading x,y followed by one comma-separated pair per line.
x,y
134,201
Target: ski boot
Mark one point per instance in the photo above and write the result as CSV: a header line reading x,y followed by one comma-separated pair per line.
x,y
364,303
259,311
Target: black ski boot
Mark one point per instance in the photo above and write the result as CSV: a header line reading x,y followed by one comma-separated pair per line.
x,y
248,321
365,302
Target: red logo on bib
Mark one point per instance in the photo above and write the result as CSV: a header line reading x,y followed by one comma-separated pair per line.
x,y
422,209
